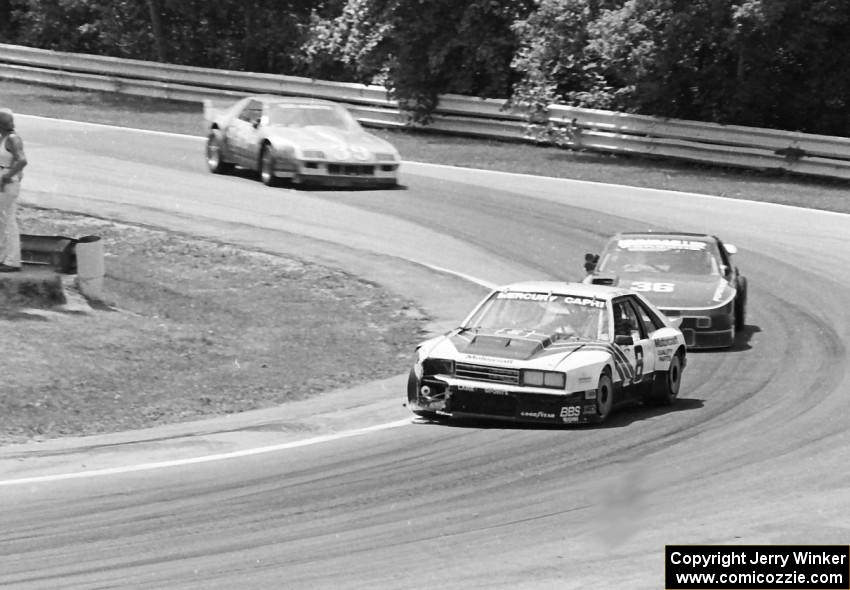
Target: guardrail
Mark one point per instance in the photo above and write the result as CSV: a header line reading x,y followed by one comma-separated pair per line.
x,y
589,129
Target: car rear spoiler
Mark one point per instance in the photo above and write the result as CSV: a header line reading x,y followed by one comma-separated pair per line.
x,y
604,278
211,113
598,278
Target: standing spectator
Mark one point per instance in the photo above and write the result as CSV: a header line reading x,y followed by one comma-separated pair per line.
x,y
12,162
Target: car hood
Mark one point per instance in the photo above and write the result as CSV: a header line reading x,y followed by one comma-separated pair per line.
x,y
330,139
679,290
519,348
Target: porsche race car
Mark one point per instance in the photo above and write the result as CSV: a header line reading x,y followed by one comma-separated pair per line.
x,y
302,140
552,353
688,276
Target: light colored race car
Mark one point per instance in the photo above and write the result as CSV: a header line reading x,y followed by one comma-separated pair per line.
x,y
686,275
549,352
302,140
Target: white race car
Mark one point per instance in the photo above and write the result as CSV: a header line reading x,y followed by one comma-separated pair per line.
x,y
302,140
549,352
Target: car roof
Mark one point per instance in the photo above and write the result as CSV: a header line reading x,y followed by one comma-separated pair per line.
x,y
671,235
567,288
275,99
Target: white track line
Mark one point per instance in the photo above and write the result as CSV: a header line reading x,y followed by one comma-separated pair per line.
x,y
206,458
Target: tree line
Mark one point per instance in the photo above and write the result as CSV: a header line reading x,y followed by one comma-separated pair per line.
x,y
781,64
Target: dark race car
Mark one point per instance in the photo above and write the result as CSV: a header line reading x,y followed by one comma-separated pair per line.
x,y
686,275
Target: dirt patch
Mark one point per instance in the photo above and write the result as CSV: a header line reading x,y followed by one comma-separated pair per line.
x,y
191,328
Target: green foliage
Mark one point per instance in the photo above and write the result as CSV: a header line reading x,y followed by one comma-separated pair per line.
x,y
793,68
556,65
60,25
419,49
767,63
260,36
343,42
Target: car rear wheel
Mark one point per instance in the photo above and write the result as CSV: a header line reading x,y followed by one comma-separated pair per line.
x,y
665,386
267,166
740,314
214,151
604,397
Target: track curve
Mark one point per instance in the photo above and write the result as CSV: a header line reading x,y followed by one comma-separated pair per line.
x,y
754,452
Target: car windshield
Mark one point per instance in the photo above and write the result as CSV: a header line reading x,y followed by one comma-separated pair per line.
x,y
565,316
690,257
298,115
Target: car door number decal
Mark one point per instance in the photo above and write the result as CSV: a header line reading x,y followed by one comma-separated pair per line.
x,y
656,287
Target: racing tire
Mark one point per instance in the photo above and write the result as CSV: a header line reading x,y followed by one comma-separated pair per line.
x,y
741,309
267,163
665,386
412,389
604,398
214,149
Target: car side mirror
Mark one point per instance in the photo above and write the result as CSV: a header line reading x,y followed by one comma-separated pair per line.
x,y
590,261
623,340
730,249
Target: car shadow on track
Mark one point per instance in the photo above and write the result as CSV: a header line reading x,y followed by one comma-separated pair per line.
x,y
623,416
254,176
347,189
743,337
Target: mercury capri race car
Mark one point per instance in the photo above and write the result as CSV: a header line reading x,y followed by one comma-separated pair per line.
x,y
303,140
549,352
686,275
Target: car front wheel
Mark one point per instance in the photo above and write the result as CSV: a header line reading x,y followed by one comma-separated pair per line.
x,y
413,396
604,397
215,154
665,387
267,166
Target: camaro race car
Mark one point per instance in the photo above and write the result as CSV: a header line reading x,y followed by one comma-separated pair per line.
x,y
300,139
549,352
686,275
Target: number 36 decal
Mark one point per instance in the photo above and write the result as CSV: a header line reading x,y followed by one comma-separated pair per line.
x,y
657,287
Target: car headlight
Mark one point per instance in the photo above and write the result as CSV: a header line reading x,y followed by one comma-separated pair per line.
x,y
313,154
438,367
551,379
385,157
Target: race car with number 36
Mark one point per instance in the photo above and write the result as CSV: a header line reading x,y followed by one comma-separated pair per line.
x,y
549,352
686,275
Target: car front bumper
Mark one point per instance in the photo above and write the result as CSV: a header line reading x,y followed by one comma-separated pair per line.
x,y
515,406
338,173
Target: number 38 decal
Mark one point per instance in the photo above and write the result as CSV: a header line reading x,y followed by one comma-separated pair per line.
x,y
657,287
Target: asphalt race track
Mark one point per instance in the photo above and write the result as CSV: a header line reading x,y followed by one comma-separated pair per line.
x,y
755,451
